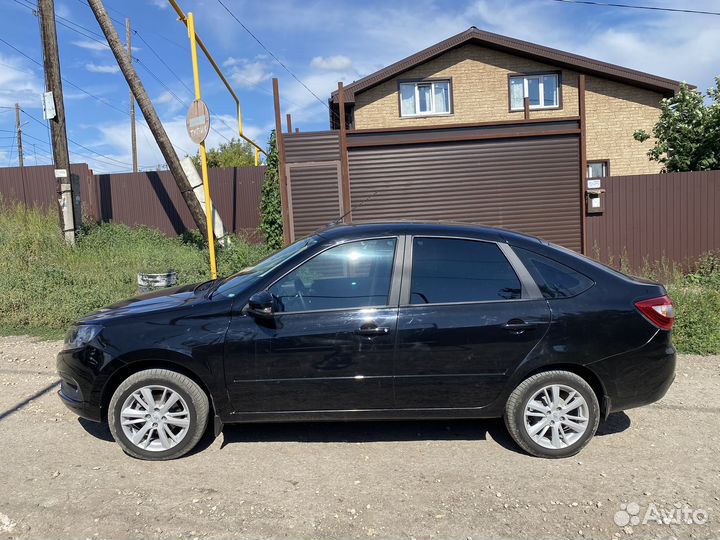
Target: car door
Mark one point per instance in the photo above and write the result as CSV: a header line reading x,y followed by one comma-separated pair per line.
x,y
468,317
330,343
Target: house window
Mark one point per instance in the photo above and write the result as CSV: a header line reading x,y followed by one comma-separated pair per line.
x,y
424,98
542,90
597,169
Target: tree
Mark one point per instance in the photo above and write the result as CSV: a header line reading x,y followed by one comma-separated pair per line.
x,y
271,222
687,135
235,153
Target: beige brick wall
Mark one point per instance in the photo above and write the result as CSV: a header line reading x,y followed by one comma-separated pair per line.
x,y
479,90
613,112
480,94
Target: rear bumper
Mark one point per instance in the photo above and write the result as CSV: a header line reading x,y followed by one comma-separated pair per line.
x,y
638,377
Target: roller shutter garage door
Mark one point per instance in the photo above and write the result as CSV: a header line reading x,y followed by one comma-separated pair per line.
x,y
529,185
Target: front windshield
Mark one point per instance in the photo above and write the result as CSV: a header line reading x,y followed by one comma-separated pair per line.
x,y
230,285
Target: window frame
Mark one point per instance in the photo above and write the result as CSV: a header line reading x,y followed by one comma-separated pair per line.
x,y
589,162
395,274
430,81
532,75
529,289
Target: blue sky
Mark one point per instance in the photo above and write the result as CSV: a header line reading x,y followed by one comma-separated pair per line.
x,y
320,41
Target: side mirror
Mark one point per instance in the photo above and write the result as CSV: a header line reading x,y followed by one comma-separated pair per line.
x,y
262,304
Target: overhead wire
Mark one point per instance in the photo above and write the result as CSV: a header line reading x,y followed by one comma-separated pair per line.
x,y
631,6
280,62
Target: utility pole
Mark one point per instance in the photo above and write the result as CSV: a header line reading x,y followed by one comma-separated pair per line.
x,y
146,106
54,99
18,128
133,139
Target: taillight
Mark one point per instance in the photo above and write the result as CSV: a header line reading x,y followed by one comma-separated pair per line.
x,y
660,311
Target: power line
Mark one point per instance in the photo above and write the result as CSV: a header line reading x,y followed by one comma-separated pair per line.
x,y
110,159
171,41
276,58
97,98
100,99
650,8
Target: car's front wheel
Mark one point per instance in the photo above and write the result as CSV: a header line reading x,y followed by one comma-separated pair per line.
x,y
158,414
552,414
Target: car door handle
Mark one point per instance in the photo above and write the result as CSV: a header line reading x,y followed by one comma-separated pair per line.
x,y
372,330
518,325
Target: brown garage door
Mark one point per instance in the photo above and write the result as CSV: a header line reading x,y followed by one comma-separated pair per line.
x,y
529,185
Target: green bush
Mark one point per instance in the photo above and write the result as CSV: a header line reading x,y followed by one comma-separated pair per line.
x,y
696,296
45,284
697,322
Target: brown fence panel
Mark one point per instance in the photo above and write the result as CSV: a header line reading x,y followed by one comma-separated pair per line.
x,y
37,186
145,198
649,218
153,199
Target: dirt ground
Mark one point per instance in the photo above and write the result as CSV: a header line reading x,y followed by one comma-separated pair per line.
x,y
66,478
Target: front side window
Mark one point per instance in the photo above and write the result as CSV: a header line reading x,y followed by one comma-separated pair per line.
x,y
352,275
446,270
542,91
424,98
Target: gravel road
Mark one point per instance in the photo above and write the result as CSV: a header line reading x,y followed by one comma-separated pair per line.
x,y
65,478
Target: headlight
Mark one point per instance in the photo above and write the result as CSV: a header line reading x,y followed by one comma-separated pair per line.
x,y
79,336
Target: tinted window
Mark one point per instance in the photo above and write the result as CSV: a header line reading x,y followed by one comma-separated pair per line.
x,y
554,279
356,274
449,270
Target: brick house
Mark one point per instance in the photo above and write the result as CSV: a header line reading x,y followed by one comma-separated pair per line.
x,y
479,128
476,77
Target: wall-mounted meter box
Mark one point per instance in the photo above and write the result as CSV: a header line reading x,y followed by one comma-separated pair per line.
x,y
595,201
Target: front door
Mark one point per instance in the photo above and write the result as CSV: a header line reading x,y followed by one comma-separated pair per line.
x,y
330,345
465,322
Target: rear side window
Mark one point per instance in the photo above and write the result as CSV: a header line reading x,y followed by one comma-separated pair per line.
x,y
554,279
452,270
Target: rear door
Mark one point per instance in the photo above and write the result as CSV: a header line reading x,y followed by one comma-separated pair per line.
x,y
469,314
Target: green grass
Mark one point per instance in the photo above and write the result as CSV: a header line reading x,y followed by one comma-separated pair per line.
x,y
696,296
45,284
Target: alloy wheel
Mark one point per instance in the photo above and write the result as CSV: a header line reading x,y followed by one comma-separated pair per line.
x,y
155,418
556,416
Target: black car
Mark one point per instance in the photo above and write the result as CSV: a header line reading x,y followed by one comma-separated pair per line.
x,y
379,321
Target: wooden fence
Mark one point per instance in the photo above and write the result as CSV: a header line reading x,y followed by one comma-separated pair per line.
x,y
673,217
146,198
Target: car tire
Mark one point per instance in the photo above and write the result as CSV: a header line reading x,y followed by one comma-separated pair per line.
x,y
550,427
167,428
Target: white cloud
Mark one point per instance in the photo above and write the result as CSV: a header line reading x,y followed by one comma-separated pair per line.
x,y
91,45
248,73
162,4
114,141
102,68
337,62
18,83
62,10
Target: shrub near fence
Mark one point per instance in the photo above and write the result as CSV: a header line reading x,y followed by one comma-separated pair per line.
x,y
146,198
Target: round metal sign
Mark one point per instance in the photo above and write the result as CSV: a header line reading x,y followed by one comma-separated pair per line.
x,y
198,121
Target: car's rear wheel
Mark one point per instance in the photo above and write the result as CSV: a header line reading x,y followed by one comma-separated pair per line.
x,y
158,414
552,414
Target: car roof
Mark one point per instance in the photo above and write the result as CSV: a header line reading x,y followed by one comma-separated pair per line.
x,y
438,228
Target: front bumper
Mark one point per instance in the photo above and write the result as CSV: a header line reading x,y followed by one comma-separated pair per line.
x,y
638,377
78,382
